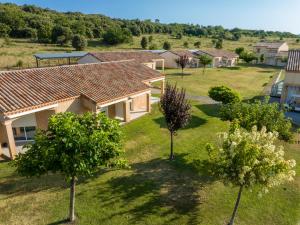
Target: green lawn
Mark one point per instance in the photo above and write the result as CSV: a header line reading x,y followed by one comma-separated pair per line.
x,y
154,191
248,81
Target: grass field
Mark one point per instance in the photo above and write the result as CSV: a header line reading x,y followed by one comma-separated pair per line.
x,y
154,191
20,49
248,81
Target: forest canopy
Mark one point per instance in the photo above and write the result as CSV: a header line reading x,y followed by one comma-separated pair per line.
x,y
46,25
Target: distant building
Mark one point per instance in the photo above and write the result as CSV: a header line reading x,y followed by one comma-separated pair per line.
x,y
291,88
220,58
171,56
273,53
147,58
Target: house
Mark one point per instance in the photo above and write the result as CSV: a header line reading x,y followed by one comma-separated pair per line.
x,y
171,56
29,97
149,59
272,53
291,87
220,58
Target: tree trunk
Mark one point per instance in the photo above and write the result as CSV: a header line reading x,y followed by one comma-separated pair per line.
x,y
181,72
72,199
203,69
171,154
236,206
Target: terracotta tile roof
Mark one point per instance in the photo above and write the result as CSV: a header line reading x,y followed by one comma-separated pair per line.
x,y
293,64
183,52
102,82
218,53
139,56
273,45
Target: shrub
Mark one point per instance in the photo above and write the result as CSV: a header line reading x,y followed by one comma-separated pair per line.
x,y
79,42
186,44
167,45
153,46
197,44
224,94
260,114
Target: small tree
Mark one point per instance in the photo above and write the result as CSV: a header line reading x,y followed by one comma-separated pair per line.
x,y
219,44
167,45
153,46
176,110
247,159
297,40
248,56
79,42
74,145
183,61
197,44
150,38
239,51
205,60
224,94
144,42
186,44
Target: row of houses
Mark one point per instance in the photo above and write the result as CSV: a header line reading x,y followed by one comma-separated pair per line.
x,y
165,58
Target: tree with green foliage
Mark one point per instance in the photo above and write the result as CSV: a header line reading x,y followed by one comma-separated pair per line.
x,y
4,30
259,114
197,44
176,110
61,35
183,61
144,43
248,57
236,36
205,60
74,145
117,35
224,94
186,44
240,51
167,45
150,39
219,44
248,159
153,46
79,42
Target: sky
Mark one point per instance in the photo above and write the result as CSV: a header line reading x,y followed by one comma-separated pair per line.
x,y
275,15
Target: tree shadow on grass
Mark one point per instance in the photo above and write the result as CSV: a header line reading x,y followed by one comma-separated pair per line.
x,y
194,122
15,185
158,187
210,109
180,74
